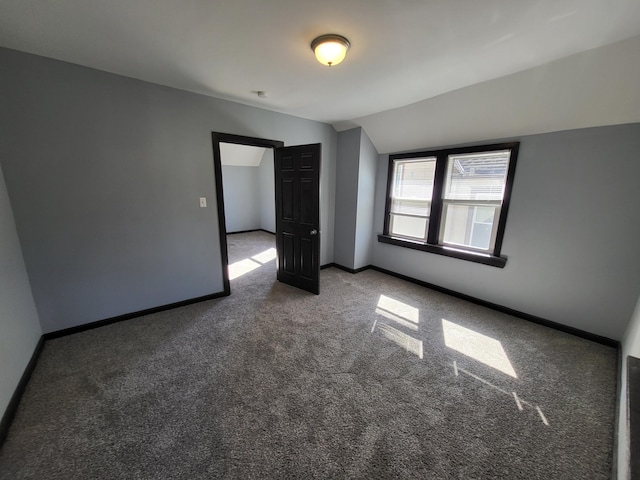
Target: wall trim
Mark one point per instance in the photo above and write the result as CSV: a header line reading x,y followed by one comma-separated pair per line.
x,y
509,311
492,260
494,306
250,231
12,407
129,316
347,269
216,139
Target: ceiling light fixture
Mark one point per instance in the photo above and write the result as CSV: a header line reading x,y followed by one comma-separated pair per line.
x,y
330,49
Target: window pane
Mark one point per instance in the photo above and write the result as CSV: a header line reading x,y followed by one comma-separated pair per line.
x,y
413,179
411,206
482,227
477,176
469,225
411,193
408,226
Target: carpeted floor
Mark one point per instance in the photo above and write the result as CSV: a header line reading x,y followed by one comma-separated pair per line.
x,y
375,378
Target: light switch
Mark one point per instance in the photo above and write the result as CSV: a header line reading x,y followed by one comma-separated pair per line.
x,y
203,202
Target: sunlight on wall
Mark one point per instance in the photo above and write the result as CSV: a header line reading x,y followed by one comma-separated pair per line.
x,y
484,349
247,265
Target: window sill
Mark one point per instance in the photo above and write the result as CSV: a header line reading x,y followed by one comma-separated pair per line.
x,y
483,258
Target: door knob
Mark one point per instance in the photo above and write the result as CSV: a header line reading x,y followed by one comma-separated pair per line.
x,y
314,232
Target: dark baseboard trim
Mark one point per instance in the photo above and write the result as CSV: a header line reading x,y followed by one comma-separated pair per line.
x,y
244,231
250,231
509,311
351,270
129,316
12,408
346,269
633,370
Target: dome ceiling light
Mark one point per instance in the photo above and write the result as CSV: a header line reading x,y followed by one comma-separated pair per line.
x,y
330,49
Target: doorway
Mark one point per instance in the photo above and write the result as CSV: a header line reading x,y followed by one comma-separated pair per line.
x,y
297,208
226,138
249,188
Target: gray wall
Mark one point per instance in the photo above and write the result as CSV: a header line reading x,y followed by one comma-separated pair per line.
x,y
346,196
241,198
250,196
104,174
367,169
355,196
571,237
19,325
267,192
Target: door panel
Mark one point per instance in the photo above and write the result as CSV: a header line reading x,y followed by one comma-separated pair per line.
x,y
306,203
306,256
288,201
306,161
298,215
288,253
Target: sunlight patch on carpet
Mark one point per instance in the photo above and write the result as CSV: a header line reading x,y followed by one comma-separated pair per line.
x,y
247,265
410,344
519,401
484,349
398,311
404,316
266,256
242,267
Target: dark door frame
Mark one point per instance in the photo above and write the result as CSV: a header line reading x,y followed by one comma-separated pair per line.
x,y
218,138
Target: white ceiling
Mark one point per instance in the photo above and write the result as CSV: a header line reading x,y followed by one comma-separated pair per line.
x,y
403,51
236,155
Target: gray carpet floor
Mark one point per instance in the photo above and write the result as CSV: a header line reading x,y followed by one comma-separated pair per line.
x,y
375,378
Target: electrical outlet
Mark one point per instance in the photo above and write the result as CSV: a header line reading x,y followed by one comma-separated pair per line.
x,y
203,202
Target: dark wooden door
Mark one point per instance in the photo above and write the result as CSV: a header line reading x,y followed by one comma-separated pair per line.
x,y
298,215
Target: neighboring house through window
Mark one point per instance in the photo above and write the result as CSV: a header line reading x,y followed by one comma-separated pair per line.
x,y
452,202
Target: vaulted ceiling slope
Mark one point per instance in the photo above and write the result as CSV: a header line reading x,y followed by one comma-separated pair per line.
x,y
589,89
402,52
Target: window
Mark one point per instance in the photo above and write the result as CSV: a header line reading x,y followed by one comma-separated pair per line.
x,y
452,202
411,197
